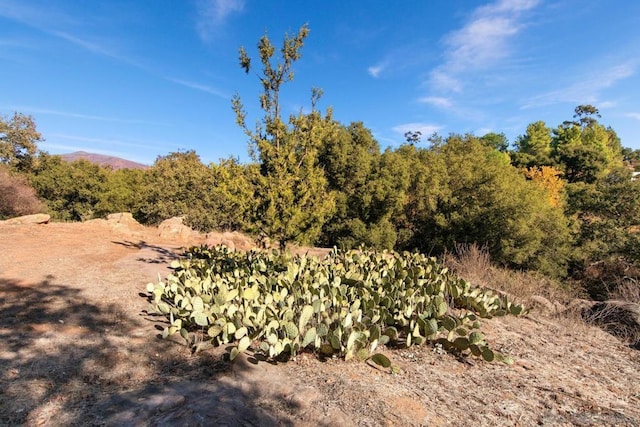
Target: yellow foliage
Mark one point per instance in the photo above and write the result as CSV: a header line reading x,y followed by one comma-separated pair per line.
x,y
548,178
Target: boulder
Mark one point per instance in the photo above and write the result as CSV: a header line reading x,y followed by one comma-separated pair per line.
x,y
173,228
122,218
232,240
123,221
29,219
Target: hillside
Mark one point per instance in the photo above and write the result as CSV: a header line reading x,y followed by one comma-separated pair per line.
x,y
102,160
79,348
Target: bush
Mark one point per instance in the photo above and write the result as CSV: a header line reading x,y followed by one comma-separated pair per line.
x,y
17,198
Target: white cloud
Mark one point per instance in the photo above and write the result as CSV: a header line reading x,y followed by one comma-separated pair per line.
x,y
585,90
633,115
443,81
375,71
199,86
426,129
602,105
482,43
437,101
213,13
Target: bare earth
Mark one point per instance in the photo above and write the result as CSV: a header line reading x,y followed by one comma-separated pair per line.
x,y
78,348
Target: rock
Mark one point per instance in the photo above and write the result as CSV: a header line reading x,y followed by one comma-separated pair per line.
x,y
173,228
28,219
232,240
542,304
122,218
123,221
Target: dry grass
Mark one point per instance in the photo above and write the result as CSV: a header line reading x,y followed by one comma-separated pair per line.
x,y
619,318
17,197
473,263
628,289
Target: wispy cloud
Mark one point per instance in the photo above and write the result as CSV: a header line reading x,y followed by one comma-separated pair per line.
x,y
70,114
213,13
41,15
374,71
587,89
482,43
437,101
43,21
199,86
633,115
122,142
426,129
56,23
98,49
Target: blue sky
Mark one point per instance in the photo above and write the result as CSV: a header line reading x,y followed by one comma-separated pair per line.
x,y
139,79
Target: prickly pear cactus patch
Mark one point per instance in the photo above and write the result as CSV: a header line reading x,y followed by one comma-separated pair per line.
x,y
271,303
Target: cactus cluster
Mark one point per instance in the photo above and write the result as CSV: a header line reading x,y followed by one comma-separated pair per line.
x,y
348,304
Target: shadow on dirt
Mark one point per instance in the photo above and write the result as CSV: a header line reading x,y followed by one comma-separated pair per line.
x,y
158,254
67,361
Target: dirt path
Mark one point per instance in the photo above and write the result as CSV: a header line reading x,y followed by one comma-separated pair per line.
x,y
77,348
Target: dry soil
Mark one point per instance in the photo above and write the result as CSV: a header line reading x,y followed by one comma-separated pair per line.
x,y
77,347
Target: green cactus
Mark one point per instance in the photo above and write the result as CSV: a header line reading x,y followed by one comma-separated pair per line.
x,y
347,304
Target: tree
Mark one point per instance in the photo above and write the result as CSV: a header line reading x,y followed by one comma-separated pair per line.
x,y
71,191
485,200
497,141
584,148
584,114
413,138
608,237
231,196
123,192
549,179
292,198
423,187
177,184
19,142
534,147
364,190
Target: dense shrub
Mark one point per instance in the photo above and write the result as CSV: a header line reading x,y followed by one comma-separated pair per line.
x,y
17,197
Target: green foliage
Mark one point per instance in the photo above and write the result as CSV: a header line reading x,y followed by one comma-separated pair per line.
x,y
534,147
19,142
465,192
71,191
123,192
497,141
214,197
608,216
346,305
367,190
177,184
423,186
232,195
292,201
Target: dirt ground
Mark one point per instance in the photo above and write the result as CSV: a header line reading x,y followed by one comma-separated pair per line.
x,y
78,348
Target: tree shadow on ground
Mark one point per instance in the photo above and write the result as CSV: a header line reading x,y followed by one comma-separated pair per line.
x,y
68,361
160,254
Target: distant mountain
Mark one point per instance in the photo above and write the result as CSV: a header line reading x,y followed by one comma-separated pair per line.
x,y
102,160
